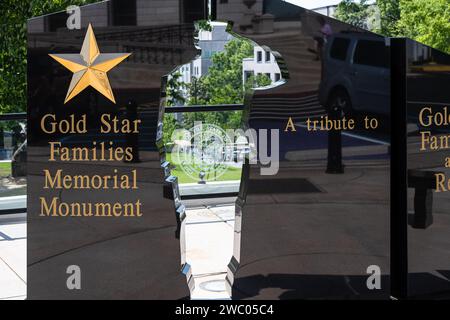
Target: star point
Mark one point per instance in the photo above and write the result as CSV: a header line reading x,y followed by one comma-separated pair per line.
x,y
89,67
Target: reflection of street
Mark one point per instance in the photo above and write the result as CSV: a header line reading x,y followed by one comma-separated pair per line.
x,y
356,144
429,248
326,235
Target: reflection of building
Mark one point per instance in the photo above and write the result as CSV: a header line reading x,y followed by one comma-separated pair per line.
x,y
157,33
418,53
127,13
238,11
326,10
209,42
262,62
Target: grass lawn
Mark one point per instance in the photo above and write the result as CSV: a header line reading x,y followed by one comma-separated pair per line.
x,y
5,169
232,173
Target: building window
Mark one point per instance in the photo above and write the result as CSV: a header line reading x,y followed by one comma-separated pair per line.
x,y
247,75
267,56
277,77
268,76
259,56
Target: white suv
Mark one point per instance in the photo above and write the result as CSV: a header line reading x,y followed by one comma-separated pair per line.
x,y
356,73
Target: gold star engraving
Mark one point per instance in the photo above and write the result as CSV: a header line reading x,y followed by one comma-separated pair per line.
x,y
89,67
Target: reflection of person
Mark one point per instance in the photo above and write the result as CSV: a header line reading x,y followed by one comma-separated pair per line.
x,y
320,40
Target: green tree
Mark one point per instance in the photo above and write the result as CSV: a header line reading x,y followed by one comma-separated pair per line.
x,y
260,80
389,14
13,48
224,79
170,125
221,85
198,92
426,21
174,90
354,13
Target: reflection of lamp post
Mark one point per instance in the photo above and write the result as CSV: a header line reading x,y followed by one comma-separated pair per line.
x,y
335,165
249,3
248,14
201,175
194,90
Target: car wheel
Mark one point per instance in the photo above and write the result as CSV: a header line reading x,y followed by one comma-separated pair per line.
x,y
340,99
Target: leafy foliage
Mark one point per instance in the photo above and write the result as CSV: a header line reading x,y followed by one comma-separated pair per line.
x,y
13,53
174,88
260,80
224,79
426,21
223,84
353,13
389,16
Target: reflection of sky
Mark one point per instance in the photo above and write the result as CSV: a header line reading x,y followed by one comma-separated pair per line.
x,y
312,4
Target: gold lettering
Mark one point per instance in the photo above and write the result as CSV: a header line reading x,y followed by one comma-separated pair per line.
x,y
440,180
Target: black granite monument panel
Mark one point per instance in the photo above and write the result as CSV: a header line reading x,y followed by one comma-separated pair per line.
x,y
326,240
95,188
427,101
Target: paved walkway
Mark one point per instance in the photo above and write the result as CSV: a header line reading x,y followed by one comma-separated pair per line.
x,y
13,271
209,246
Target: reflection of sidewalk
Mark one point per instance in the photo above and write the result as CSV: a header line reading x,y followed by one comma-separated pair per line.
x,y
13,245
213,187
209,243
302,242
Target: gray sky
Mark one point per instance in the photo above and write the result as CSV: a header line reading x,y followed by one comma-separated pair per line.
x,y
311,4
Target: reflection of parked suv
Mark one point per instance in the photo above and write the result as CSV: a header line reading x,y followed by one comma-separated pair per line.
x,y
356,73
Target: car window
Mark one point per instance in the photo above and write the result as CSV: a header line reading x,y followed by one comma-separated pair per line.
x,y
371,53
339,48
